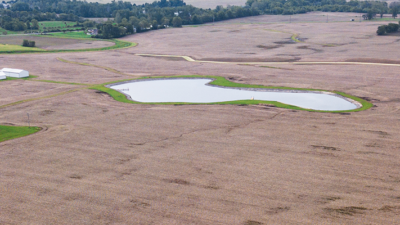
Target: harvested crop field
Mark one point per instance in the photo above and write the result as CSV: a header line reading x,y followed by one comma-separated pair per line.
x,y
50,43
100,161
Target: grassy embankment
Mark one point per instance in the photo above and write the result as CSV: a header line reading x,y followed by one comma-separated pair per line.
x,y
16,49
221,81
11,132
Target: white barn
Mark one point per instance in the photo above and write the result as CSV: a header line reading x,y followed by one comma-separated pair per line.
x,y
15,73
2,75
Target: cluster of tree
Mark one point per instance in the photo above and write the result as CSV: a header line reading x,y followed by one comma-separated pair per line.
x,y
12,20
109,30
143,19
390,28
28,43
287,7
87,9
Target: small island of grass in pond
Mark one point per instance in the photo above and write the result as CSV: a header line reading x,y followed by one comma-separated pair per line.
x,y
11,132
204,90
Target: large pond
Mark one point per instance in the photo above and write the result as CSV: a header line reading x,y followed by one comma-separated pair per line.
x,y
197,90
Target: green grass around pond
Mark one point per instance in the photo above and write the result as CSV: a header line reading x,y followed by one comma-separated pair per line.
x,y
222,81
11,132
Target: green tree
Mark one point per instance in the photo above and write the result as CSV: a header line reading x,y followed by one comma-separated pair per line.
x,y
196,20
35,24
118,18
381,30
395,11
370,14
25,43
165,21
129,29
177,22
154,25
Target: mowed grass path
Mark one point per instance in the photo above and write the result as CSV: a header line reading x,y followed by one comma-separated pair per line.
x,y
11,132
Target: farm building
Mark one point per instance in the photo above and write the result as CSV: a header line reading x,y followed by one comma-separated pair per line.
x,y
15,73
2,75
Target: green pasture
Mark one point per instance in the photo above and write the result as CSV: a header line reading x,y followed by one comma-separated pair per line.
x,y
62,25
74,35
11,132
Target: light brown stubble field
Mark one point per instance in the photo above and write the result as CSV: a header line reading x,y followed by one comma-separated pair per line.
x,y
99,161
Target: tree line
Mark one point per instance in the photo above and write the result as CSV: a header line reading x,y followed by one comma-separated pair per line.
x,y
130,18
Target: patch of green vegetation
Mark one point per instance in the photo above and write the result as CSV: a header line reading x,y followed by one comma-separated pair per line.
x,y
18,48
222,81
294,38
9,31
14,78
382,19
11,132
74,35
57,25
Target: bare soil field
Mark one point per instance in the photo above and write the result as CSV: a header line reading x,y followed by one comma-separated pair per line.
x,y
99,161
50,43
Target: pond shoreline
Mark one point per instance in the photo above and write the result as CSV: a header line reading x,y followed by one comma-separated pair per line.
x,y
354,102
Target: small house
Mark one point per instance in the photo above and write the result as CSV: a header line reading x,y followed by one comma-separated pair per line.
x,y
15,73
93,32
2,75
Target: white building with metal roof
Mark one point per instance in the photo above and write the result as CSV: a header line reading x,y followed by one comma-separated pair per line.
x,y
15,73
2,75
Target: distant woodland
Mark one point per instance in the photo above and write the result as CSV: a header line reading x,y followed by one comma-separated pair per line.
x,y
130,18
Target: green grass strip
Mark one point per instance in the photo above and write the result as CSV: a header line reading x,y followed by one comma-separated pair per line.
x,y
11,132
221,81
14,78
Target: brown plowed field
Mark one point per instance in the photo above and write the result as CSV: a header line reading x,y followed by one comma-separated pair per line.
x,y
105,162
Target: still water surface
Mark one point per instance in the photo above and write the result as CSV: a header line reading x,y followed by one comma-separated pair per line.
x,y
197,91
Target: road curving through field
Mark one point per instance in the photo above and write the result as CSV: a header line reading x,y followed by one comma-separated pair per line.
x,y
189,59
